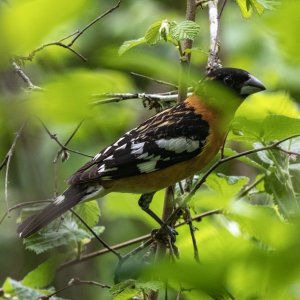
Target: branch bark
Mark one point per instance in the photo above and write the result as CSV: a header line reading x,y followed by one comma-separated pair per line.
x,y
213,58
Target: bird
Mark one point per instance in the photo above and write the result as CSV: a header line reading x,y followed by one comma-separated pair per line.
x,y
168,147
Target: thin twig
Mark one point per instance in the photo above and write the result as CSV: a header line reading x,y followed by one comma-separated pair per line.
x,y
75,36
101,241
192,232
155,80
25,78
54,137
222,9
7,160
80,32
73,282
63,150
20,205
132,241
251,186
229,158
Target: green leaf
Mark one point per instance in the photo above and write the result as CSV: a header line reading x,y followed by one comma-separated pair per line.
x,y
127,45
152,35
17,289
44,274
253,220
244,159
89,212
185,30
276,127
149,285
269,4
257,6
127,294
68,232
130,288
222,190
247,7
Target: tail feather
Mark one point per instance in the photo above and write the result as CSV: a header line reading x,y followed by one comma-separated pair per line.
x,y
62,203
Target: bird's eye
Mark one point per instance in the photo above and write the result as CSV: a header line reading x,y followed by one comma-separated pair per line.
x,y
228,81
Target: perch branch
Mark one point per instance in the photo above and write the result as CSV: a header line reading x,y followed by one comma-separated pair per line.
x,y
132,241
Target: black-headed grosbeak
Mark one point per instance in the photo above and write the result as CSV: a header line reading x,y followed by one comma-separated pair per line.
x,y
170,146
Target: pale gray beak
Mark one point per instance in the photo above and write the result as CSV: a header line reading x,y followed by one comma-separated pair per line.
x,y
251,86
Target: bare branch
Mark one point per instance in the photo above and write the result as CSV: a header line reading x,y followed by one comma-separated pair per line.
x,y
226,159
133,241
20,205
155,80
54,137
101,241
80,32
118,97
25,78
213,59
75,36
7,160
73,282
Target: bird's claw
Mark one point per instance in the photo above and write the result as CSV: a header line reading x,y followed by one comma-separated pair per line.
x,y
164,233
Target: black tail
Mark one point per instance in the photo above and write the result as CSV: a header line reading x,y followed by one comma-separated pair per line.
x,y
62,203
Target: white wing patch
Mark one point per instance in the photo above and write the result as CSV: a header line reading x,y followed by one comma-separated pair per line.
x,y
137,148
178,145
97,156
148,166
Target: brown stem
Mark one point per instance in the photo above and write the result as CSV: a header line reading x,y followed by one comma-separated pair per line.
x,y
131,242
73,282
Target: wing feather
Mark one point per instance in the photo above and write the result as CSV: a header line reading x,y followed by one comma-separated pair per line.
x,y
172,136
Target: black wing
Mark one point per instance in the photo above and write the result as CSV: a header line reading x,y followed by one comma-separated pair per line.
x,y
172,136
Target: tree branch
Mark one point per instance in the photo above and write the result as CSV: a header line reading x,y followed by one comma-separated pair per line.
x,y
229,158
73,282
25,78
75,36
145,237
7,160
213,58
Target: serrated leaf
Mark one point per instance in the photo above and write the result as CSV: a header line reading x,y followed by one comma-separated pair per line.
x,y
89,212
152,35
150,285
43,275
276,127
68,232
119,287
17,289
127,45
127,294
246,10
257,6
185,30
269,4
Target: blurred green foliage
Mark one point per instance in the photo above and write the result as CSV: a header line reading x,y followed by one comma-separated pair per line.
x,y
251,250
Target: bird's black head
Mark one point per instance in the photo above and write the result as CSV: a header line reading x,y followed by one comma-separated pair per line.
x,y
237,80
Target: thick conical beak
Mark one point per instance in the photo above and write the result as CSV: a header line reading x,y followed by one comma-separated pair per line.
x,y
251,86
